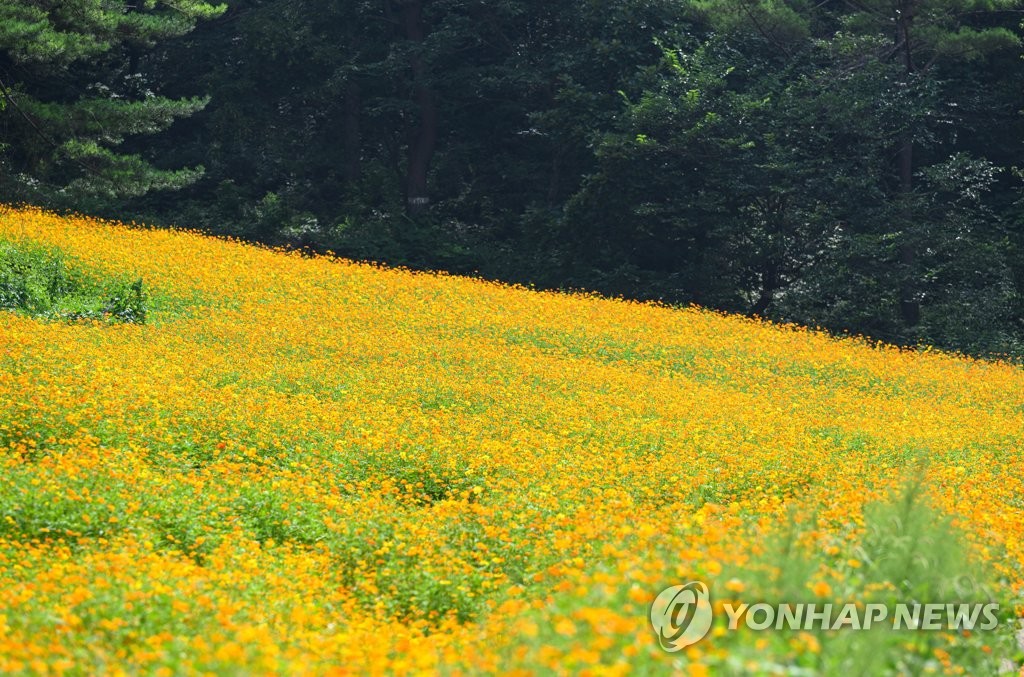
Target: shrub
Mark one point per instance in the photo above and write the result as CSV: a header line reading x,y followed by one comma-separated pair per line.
x,y
42,282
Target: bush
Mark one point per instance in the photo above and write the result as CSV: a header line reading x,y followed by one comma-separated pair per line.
x,y
41,282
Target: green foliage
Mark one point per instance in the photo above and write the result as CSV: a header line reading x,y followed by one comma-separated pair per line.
x,y
61,146
41,282
26,513
67,31
757,173
904,552
268,517
740,154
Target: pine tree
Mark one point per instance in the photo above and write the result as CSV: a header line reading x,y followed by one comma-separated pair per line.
x,y
71,93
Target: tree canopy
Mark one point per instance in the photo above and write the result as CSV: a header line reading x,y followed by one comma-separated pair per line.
x,y
849,165
71,93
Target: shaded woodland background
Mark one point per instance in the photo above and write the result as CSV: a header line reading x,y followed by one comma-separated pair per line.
x,y
845,164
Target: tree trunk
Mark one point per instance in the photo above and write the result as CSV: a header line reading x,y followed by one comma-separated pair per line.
x,y
353,133
424,141
910,307
769,281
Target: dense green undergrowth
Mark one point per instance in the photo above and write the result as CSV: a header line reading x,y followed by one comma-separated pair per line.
x,y
43,282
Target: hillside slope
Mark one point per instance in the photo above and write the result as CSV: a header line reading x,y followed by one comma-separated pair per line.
x,y
310,463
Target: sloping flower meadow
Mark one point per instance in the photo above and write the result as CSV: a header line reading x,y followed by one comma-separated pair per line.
x,y
302,464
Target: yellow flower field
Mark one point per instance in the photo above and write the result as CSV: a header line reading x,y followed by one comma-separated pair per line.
x,y
309,465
